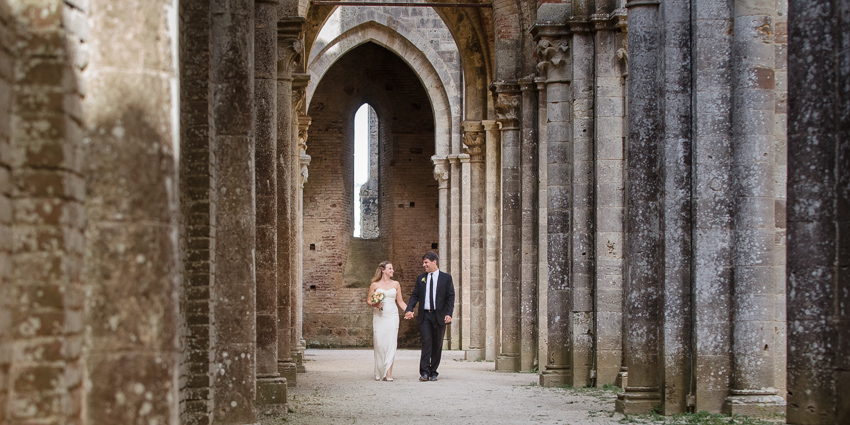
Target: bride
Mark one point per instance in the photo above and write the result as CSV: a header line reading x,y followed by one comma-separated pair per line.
x,y
385,319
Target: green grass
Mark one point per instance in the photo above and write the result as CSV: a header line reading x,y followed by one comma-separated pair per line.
x,y
699,418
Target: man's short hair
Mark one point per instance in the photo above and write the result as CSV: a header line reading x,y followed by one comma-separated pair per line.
x,y
431,255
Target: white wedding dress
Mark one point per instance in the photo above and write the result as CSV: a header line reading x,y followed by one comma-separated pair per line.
x,y
385,332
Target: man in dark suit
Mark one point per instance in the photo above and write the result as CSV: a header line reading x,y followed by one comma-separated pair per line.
x,y
434,292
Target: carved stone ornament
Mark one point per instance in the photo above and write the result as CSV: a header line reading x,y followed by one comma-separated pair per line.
x,y
441,171
474,141
552,53
508,108
289,54
299,97
305,163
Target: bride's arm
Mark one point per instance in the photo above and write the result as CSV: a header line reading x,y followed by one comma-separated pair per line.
x,y
400,296
372,289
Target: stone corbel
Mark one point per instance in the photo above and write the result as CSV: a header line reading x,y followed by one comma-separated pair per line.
x,y
290,47
508,104
441,171
299,92
474,138
303,125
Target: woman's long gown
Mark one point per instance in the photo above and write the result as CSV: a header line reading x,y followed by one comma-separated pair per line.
x,y
385,333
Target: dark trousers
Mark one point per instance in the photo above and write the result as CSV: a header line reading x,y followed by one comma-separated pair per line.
x,y
432,344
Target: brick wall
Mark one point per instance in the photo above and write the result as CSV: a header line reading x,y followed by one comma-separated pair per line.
x,y
196,204
334,312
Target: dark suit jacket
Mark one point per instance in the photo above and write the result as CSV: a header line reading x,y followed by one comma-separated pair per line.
x,y
445,297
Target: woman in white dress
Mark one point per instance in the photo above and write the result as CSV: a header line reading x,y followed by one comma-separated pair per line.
x,y
385,319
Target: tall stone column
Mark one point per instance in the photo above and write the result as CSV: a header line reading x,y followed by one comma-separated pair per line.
x,y
582,250
528,230
441,175
299,97
609,196
474,139
271,388
818,285
642,308
289,49
452,337
465,248
233,294
753,390
542,227
508,109
492,225
303,125
553,50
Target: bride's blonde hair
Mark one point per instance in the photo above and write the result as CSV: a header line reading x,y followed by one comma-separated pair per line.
x,y
378,274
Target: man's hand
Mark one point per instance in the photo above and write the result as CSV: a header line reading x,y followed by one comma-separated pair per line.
x,y
408,315
448,319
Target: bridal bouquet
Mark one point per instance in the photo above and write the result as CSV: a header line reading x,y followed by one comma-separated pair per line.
x,y
376,298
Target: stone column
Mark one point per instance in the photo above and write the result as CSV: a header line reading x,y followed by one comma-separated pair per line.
x,y
474,139
441,175
303,125
818,285
582,254
465,247
271,388
492,225
452,337
754,305
542,226
644,253
508,109
299,97
289,49
233,294
528,230
554,53
609,196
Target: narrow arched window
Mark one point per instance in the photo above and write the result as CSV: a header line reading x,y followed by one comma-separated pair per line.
x,y
366,173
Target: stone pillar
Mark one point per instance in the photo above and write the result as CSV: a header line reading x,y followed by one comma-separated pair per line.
x,y
441,175
554,53
818,285
289,49
299,97
303,125
474,139
271,388
676,175
528,229
508,109
753,390
465,247
582,254
492,225
644,274
452,336
542,226
233,293
609,195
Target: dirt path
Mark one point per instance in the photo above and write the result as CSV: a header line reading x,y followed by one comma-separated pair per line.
x,y
339,388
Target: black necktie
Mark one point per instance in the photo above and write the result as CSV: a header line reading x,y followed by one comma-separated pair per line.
x,y
429,288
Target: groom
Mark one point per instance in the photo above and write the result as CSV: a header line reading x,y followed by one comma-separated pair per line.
x,y
435,294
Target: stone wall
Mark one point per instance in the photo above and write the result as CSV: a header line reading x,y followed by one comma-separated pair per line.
x,y
408,210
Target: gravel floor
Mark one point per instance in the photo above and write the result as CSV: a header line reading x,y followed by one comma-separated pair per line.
x,y
339,388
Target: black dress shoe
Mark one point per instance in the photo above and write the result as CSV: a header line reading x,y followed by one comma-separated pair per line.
x,y
432,378
423,378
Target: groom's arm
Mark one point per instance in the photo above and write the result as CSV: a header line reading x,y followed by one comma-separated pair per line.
x,y
450,297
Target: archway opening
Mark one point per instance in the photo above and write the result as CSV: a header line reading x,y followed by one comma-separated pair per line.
x,y
366,182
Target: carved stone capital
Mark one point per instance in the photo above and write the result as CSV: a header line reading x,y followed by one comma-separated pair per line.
x,y
553,55
508,104
441,171
303,125
474,138
290,47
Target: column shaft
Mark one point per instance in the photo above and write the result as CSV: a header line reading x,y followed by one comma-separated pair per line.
x,y
528,231
453,334
474,139
644,248
492,224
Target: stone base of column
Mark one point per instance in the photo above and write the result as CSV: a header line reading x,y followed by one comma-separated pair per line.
x,y
556,376
638,400
507,363
755,403
474,355
271,396
299,361
287,370
622,378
